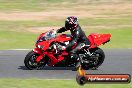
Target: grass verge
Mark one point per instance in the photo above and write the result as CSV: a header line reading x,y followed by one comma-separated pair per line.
x,y
46,5
43,83
16,40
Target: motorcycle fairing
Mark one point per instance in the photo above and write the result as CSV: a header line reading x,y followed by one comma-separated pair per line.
x,y
95,39
63,38
98,39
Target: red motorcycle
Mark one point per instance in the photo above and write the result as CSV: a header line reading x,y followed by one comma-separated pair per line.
x,y
50,50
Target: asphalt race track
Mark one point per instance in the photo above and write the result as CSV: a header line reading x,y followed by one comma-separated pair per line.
x,y
118,61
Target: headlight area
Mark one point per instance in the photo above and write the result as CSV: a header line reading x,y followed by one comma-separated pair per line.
x,y
40,47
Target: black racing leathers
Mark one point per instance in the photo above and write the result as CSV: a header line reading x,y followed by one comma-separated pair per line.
x,y
78,38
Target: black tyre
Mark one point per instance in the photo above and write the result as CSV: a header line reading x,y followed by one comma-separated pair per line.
x,y
30,61
101,54
96,60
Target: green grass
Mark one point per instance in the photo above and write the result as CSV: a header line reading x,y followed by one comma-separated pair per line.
x,y
106,21
34,5
114,23
14,40
21,25
43,83
46,5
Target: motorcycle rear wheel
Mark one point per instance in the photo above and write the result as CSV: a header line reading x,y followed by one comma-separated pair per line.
x,y
99,62
30,61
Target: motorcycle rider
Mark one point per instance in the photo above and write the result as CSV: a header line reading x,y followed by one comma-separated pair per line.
x,y
79,39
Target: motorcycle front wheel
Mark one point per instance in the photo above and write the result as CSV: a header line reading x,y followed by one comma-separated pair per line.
x,y
30,61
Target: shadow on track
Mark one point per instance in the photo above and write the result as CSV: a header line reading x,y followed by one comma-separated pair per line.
x,y
50,68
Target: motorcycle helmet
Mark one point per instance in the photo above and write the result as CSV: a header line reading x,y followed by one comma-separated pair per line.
x,y
71,23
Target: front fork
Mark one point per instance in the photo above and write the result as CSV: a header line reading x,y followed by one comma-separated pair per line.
x,y
38,51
